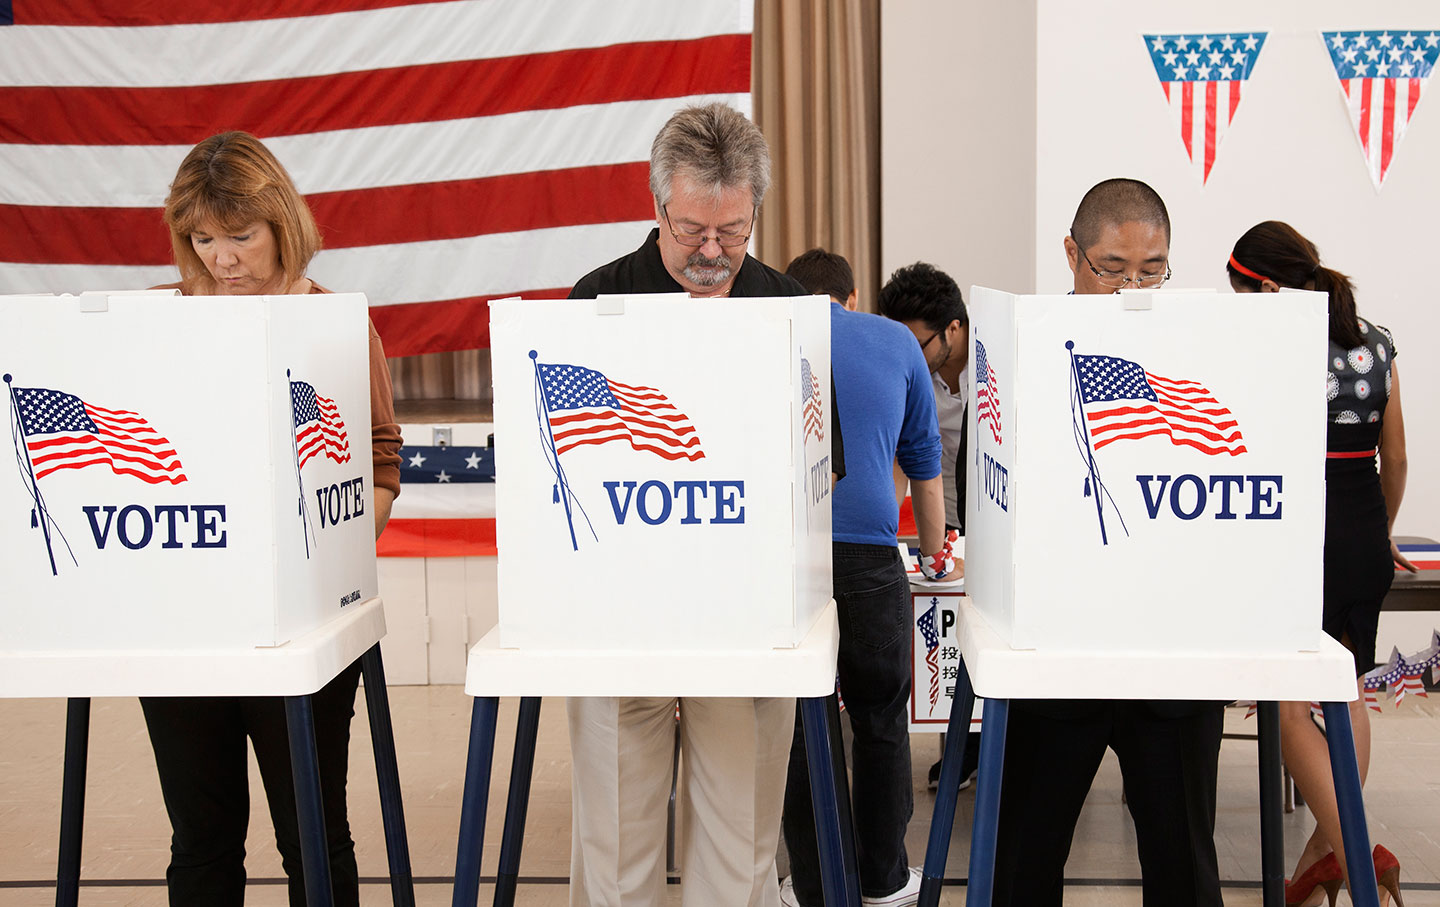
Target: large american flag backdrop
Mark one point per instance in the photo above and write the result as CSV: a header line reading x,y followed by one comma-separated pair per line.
x,y
1202,76
1381,75
452,152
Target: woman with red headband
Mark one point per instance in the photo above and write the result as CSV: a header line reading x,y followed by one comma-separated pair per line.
x,y
1365,419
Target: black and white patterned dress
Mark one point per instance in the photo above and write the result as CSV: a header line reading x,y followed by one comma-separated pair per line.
x,y
1358,567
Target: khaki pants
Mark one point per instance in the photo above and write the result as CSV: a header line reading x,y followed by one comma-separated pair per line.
x,y
735,751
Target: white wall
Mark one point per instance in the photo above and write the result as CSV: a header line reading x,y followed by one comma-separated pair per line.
x,y
964,193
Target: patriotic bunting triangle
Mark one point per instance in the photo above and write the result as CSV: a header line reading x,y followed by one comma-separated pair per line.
x,y
1381,76
1202,75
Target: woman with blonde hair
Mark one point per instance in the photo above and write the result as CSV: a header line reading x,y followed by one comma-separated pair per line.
x,y
1365,420
239,227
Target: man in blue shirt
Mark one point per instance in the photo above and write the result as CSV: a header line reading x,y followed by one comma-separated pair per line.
x,y
889,417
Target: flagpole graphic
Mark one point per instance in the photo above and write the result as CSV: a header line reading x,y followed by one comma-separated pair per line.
x,y
562,487
39,517
1077,413
305,528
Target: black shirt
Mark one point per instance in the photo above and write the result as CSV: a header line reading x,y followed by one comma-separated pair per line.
x,y
643,271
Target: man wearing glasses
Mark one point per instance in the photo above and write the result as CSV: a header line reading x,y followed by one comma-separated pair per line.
x,y
709,169
1168,751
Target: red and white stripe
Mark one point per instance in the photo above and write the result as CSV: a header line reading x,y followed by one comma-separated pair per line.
x,y
124,441
646,418
1184,410
987,403
814,411
1380,111
1203,111
452,152
327,435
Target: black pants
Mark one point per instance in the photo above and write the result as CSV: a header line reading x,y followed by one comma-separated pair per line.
x,y
201,756
1169,755
873,599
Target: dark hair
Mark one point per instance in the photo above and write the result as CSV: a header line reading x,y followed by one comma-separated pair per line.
x,y
1277,252
823,272
923,292
1117,201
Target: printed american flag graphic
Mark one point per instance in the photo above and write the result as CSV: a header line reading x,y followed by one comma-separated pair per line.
x,y
452,152
811,404
1381,76
926,623
1126,402
987,393
1202,76
61,431
585,407
318,426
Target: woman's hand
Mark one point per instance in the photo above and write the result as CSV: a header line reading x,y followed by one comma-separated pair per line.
x,y
1401,559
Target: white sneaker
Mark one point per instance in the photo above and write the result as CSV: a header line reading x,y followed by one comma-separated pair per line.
x,y
908,894
787,893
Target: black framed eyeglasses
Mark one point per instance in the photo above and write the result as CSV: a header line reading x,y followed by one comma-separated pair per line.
x,y
695,240
926,342
1118,280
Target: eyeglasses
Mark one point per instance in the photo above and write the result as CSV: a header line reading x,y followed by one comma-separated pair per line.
x,y
926,341
1118,280
695,240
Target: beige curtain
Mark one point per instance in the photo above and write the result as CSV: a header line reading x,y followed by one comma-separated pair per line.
x,y
816,82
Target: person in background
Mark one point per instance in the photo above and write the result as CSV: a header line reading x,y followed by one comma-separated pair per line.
x,y
928,302
709,170
1169,751
238,227
889,418
1364,419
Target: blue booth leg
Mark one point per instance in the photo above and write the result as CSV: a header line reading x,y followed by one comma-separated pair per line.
x,y
842,792
981,886
387,772
947,792
305,766
474,800
521,770
1346,772
838,890
1272,833
72,801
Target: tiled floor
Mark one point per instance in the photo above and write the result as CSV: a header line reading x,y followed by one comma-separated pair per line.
x,y
126,833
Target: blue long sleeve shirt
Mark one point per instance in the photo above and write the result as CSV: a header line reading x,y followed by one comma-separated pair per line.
x,y
888,415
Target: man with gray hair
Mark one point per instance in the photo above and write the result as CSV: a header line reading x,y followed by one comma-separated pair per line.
x,y
709,169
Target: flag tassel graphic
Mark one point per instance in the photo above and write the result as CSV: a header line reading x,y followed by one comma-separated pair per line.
x,y
38,504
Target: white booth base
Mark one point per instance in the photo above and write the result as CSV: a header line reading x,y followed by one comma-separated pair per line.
x,y
1001,672
805,671
299,667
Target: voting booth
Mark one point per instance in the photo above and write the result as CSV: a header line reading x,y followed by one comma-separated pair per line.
x,y
189,473
1147,470
663,476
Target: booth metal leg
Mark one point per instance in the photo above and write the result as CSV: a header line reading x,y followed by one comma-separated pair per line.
x,y
472,805
72,801
1272,833
1346,772
947,790
305,766
521,770
842,791
387,771
981,885
837,888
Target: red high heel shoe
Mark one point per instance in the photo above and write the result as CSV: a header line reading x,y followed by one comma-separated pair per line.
x,y
1387,873
1323,874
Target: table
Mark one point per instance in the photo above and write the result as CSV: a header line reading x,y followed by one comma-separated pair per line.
x,y
992,670
806,672
295,671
